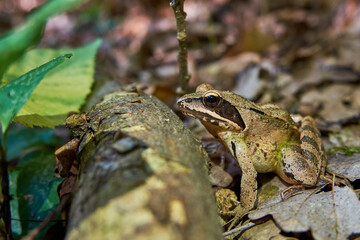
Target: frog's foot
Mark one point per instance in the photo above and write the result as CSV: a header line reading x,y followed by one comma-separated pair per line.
x,y
334,179
329,178
239,212
291,191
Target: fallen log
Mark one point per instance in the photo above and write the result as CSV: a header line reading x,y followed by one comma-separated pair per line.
x,y
142,175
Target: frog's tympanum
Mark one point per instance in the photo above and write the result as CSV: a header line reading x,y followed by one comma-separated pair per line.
x,y
263,138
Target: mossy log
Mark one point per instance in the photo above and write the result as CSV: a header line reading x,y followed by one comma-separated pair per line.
x,y
142,175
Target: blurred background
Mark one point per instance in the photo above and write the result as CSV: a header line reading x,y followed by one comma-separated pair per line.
x,y
301,55
269,51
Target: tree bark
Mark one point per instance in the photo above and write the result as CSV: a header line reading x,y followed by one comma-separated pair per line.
x,y
142,175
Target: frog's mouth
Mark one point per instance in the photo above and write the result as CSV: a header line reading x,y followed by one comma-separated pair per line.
x,y
202,116
225,116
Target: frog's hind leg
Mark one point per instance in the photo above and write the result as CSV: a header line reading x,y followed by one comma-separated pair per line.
x,y
311,145
301,163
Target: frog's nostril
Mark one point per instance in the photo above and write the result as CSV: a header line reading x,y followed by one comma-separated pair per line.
x,y
188,100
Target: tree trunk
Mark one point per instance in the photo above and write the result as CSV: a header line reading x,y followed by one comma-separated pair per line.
x,y
142,175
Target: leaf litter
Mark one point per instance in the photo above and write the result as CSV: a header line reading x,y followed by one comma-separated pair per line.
x,y
327,214
345,166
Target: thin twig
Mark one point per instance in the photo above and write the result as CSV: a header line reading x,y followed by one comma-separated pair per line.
x,y
4,175
180,15
35,220
239,229
33,233
334,207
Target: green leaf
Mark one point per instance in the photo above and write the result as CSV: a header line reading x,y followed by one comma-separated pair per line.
x,y
62,91
22,138
33,187
15,94
15,42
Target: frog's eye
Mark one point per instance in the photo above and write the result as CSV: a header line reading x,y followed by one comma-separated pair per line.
x,y
211,99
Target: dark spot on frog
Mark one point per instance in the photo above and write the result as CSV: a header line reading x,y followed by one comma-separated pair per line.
x,y
264,153
301,164
217,123
279,119
310,141
233,147
228,111
285,165
257,111
255,149
295,148
188,100
311,129
311,156
292,176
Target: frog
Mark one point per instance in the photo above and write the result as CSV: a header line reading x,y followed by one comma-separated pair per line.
x,y
261,137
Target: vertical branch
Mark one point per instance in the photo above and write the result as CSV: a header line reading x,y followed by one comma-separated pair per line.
x,y
5,196
180,15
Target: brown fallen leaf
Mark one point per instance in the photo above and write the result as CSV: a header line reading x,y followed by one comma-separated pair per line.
x,y
65,156
264,231
327,215
67,187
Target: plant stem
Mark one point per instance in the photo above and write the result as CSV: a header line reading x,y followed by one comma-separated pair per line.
x,y
5,204
180,15
35,232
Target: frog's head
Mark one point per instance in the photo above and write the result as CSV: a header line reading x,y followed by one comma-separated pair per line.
x,y
215,109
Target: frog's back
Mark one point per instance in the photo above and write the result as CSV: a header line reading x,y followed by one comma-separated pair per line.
x,y
277,112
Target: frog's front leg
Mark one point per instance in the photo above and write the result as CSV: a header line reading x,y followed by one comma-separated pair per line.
x,y
248,186
248,194
301,163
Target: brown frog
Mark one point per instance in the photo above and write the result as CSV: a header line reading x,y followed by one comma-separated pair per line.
x,y
263,138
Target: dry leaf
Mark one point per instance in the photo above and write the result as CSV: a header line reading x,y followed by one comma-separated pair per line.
x,y
327,216
264,231
346,136
346,166
224,70
248,83
64,158
337,101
